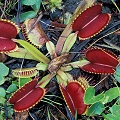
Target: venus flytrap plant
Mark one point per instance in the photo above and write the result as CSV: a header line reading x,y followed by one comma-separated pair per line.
x,y
53,67
59,63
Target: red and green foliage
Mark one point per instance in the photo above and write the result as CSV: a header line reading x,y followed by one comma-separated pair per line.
x,y
87,21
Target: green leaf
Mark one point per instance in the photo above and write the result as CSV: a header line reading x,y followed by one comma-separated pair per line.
x,y
2,92
51,49
37,5
95,109
117,77
34,51
78,64
117,73
4,70
90,97
115,113
2,100
118,101
42,66
28,2
69,42
21,53
12,88
115,109
111,117
45,80
63,77
62,38
1,3
15,82
66,68
1,117
2,80
11,111
23,81
26,15
111,94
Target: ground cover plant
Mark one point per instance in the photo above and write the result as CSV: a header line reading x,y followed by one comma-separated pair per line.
x,y
65,68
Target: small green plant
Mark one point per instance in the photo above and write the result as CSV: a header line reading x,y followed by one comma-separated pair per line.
x,y
98,103
5,94
4,70
53,4
35,9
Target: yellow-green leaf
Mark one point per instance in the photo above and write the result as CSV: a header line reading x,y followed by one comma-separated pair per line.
x,y
63,76
22,53
78,64
69,42
45,80
66,68
62,38
42,66
34,51
51,49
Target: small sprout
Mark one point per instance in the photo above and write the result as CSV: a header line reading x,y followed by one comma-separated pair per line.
x,y
53,4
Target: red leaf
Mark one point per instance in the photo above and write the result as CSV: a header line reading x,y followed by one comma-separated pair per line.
x,y
101,61
29,100
98,69
91,21
23,91
68,99
8,29
27,96
7,45
74,97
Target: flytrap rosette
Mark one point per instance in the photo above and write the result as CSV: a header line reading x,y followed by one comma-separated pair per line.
x,y
34,35
27,96
101,61
73,94
8,30
91,22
